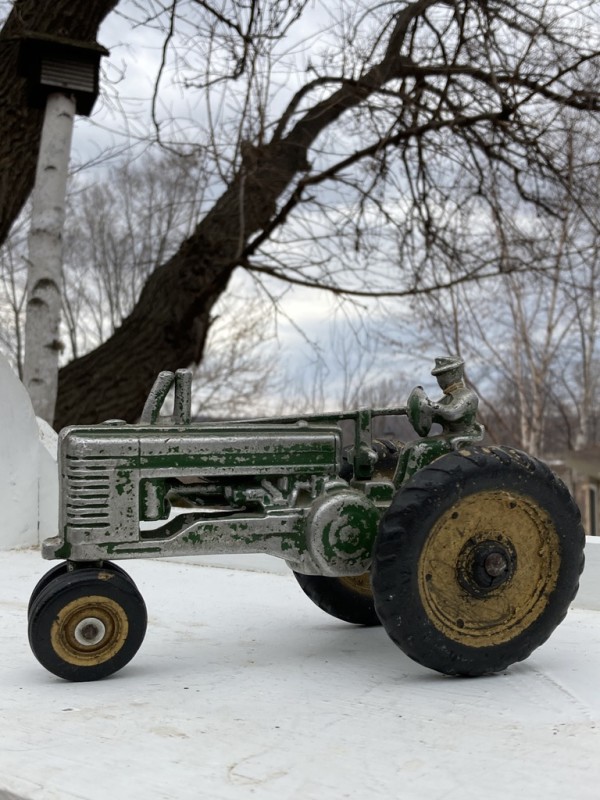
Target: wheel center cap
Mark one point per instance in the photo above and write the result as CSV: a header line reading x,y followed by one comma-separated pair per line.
x,y
90,631
485,565
495,564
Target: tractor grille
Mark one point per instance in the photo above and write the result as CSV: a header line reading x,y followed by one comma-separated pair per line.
x,y
87,492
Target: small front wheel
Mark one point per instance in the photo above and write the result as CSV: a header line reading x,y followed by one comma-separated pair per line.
x,y
348,598
87,624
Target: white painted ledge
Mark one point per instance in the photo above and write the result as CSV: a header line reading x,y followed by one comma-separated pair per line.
x,y
244,689
588,595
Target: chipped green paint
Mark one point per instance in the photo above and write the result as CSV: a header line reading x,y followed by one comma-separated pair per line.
x,y
116,549
307,458
351,533
64,551
380,492
419,454
242,537
197,537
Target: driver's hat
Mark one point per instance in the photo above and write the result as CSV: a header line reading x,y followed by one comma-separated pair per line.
x,y
447,364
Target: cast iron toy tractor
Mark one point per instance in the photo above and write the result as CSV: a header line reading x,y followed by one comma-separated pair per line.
x,y
468,555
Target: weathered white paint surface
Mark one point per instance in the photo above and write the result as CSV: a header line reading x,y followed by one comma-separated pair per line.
x,y
589,586
28,471
44,274
48,480
244,689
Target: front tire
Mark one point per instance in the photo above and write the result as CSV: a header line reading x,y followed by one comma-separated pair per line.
x,y
62,569
477,560
87,624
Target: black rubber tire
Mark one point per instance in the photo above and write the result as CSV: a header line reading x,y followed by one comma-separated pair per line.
x,y
347,599
47,578
427,559
58,611
61,569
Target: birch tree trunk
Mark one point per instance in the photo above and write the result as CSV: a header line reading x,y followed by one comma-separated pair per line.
x,y
44,279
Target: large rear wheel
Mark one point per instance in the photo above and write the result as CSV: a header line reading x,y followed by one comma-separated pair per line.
x,y
477,560
349,598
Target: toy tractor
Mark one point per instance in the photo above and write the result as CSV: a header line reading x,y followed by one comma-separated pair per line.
x,y
468,555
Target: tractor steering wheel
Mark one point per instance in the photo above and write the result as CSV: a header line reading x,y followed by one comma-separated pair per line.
x,y
420,413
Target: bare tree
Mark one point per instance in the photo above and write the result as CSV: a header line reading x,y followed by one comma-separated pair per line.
x,y
119,230
530,336
239,371
401,112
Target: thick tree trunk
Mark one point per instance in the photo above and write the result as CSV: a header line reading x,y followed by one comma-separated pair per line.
x,y
21,125
166,330
168,326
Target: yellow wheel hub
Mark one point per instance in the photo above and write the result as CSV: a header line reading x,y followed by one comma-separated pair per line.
x,y
361,584
89,630
488,568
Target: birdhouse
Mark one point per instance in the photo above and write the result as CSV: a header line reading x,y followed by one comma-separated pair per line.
x,y
55,64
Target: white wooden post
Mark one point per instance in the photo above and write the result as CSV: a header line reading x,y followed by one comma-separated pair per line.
x,y
42,334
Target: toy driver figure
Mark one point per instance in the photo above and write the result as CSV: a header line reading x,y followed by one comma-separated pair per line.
x,y
455,411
